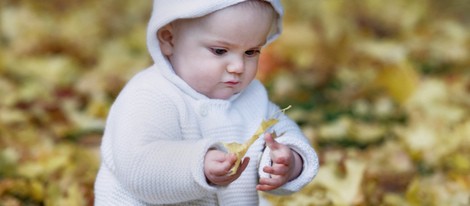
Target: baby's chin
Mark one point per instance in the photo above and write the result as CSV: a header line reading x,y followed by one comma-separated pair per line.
x,y
224,95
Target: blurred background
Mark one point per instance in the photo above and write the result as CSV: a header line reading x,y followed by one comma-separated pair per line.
x,y
381,88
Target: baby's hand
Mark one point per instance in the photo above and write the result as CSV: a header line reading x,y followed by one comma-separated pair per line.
x,y
217,165
286,165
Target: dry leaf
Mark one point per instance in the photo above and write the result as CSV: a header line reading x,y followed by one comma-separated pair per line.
x,y
240,149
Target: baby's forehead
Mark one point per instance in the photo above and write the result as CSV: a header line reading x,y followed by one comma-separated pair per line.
x,y
262,8
233,11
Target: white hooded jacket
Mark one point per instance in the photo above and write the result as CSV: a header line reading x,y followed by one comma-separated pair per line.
x,y
159,130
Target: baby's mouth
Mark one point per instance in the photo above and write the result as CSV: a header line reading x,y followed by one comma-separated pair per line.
x,y
232,83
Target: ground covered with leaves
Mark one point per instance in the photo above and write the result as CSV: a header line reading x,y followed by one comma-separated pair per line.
x,y
381,88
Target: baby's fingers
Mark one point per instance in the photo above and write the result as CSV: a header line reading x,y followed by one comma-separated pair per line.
x,y
243,166
221,180
270,142
266,184
226,179
223,166
281,159
277,169
265,187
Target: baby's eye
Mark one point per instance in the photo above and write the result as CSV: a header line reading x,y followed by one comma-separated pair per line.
x,y
218,51
253,52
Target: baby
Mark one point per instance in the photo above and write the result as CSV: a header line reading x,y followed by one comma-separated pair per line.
x,y
163,139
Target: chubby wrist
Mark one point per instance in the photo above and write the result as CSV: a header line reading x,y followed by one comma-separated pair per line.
x,y
298,165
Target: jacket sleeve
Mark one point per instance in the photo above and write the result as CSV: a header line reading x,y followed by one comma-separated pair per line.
x,y
147,154
293,138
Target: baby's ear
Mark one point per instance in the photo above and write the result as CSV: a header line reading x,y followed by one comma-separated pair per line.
x,y
165,38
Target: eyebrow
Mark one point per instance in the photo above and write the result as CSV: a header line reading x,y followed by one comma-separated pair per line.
x,y
228,44
225,43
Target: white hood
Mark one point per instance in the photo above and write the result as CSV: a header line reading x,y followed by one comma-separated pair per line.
x,y
166,11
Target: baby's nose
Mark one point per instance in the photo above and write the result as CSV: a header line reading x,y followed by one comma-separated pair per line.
x,y
236,65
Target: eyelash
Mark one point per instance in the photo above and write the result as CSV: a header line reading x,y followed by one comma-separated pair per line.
x,y
254,52
220,52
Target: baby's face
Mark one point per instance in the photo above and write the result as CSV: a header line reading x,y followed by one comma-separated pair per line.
x,y
217,55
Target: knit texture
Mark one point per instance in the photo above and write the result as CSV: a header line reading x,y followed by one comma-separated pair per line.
x,y
157,135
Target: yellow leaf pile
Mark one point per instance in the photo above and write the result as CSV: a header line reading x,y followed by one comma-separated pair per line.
x,y
381,88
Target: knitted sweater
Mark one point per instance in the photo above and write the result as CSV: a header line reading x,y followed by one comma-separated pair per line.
x,y
159,130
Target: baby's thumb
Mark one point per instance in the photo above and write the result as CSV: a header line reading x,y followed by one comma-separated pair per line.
x,y
270,142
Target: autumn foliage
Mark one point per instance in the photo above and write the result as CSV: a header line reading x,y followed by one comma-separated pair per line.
x,y
381,88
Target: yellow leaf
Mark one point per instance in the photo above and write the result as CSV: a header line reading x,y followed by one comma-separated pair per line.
x,y
400,81
240,149
342,190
